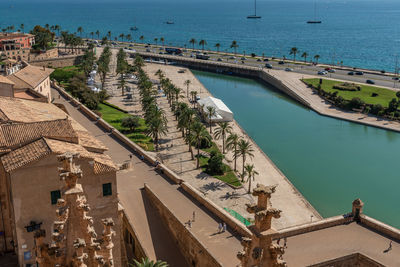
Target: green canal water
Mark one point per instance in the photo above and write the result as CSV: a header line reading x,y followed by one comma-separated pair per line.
x,y
331,162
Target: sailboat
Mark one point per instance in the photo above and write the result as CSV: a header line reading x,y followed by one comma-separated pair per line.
x,y
315,21
255,12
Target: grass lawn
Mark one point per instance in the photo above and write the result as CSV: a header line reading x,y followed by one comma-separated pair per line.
x,y
65,74
229,176
383,98
114,117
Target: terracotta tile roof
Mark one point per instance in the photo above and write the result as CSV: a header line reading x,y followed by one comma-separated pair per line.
x,y
24,155
4,79
30,76
88,141
18,83
25,95
13,35
103,162
15,134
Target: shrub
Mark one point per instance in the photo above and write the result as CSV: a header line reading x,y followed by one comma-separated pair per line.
x,y
376,109
253,54
356,102
347,87
131,122
215,165
374,95
393,105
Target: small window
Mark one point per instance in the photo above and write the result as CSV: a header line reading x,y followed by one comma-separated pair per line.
x,y
107,191
55,195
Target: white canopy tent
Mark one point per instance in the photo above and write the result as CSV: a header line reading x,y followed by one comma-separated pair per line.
x,y
222,112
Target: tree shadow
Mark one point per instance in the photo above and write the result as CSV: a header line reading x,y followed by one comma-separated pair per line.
x,y
213,186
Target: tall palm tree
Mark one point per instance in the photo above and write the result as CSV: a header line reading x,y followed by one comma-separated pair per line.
x,y
156,40
294,51
203,43
217,45
199,133
109,35
128,37
57,28
147,263
98,34
22,26
210,113
80,30
122,85
193,42
162,40
141,38
122,36
187,83
157,125
193,94
221,131
234,45
244,150
92,34
47,26
304,55
251,173
189,139
231,144
316,57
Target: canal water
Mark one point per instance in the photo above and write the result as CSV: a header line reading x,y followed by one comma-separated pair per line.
x,y
331,162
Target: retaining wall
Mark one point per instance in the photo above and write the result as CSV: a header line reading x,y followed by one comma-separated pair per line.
x,y
59,62
194,251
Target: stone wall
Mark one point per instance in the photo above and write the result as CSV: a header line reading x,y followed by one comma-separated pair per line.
x,y
380,227
192,249
352,260
49,54
58,62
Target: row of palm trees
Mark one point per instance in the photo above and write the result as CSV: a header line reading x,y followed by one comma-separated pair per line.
x,y
71,40
103,65
122,69
195,133
294,51
154,116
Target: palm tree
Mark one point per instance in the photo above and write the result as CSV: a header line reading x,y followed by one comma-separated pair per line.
x,y
92,34
231,144
109,35
210,113
80,30
193,94
251,173
221,131
189,139
234,45
157,125
316,57
128,37
156,40
98,34
244,149
293,52
122,36
141,38
193,42
203,43
147,263
304,55
57,28
122,85
187,83
162,40
199,133
22,26
217,45
46,26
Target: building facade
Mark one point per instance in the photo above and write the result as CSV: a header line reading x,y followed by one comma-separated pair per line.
x,y
16,45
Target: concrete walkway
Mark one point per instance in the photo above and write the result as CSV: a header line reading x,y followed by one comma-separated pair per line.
x,y
293,81
152,233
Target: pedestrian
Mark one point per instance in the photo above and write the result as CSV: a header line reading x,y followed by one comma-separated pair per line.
x,y
130,156
390,245
285,243
219,227
224,227
190,224
194,215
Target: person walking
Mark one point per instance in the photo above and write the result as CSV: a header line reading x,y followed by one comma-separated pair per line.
x,y
190,224
224,227
390,245
285,243
219,227
194,215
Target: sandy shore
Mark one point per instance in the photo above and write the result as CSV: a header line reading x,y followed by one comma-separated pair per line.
x,y
296,209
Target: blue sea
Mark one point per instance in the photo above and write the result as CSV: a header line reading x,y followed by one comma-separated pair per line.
x,y
359,33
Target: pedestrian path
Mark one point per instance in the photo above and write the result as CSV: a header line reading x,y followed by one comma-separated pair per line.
x,y
151,232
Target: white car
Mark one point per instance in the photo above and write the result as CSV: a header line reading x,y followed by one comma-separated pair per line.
x,y
322,72
288,69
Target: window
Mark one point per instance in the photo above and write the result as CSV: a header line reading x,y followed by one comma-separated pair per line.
x,y
107,191
55,195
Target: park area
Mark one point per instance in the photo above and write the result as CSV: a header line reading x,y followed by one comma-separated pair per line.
x,y
368,94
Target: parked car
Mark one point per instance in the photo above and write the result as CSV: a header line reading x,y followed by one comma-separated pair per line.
x,y
350,73
268,66
370,81
266,59
243,58
281,62
258,60
288,69
131,45
395,78
360,73
148,50
232,57
332,70
322,72
219,59
327,69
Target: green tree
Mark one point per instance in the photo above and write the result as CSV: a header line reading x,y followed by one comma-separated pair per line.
x,y
131,122
193,42
156,41
80,30
317,57
218,45
162,40
210,113
244,150
187,83
215,165
234,45
231,144
157,124
221,131
147,263
141,38
193,94
203,43
22,26
87,62
122,36
251,173
199,134
304,55
98,34
294,51
103,64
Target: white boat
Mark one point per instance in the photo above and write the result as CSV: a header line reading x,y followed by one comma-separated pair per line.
x,y
255,12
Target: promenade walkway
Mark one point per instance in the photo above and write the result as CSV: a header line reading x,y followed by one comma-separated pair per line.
x,y
152,233
293,82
